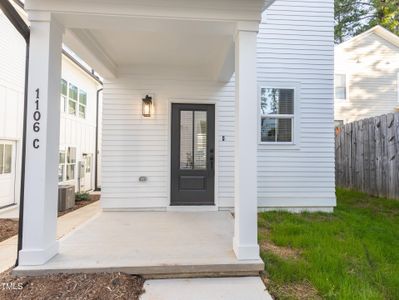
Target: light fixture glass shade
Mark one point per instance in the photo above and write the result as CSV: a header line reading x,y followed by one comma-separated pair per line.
x,y
147,106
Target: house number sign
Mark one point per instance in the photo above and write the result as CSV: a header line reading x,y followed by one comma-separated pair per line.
x,y
36,118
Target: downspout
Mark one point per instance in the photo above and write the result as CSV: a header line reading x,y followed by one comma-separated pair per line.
x,y
24,30
96,188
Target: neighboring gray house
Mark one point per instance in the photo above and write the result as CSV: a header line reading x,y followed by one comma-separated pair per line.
x,y
367,75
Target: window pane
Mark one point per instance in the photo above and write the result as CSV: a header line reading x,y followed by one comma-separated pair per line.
x,y
186,140
61,173
61,157
277,101
284,130
82,97
200,139
268,129
276,130
340,86
7,159
64,87
72,107
82,111
340,93
340,80
73,92
1,158
70,174
71,155
88,164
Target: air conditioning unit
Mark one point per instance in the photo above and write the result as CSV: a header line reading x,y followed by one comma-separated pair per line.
x,y
66,197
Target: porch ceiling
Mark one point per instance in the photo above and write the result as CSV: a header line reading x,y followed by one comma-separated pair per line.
x,y
196,47
162,48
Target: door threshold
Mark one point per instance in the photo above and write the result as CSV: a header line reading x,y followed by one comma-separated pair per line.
x,y
193,208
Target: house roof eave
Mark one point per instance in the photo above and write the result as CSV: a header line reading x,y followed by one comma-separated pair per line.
x,y
378,30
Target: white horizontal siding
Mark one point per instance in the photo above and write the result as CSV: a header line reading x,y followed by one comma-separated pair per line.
x,y
134,146
371,64
295,44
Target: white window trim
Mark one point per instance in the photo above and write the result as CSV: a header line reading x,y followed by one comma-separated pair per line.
x,y
65,181
77,101
64,102
346,100
295,143
73,100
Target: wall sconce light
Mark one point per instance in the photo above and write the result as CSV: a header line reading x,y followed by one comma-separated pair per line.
x,y
147,106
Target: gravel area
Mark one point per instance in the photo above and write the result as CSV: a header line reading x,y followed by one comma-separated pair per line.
x,y
71,286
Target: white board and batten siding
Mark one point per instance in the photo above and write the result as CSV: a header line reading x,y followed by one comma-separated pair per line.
x,y
12,79
371,65
75,131
295,46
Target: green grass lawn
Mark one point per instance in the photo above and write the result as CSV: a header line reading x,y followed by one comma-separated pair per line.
x,y
351,254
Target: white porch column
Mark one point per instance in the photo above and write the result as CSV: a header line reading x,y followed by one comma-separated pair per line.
x,y
245,227
42,142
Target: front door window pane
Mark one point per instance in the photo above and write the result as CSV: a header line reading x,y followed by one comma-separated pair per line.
x,y
186,140
200,139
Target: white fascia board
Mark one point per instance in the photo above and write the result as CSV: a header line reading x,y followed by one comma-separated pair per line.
x,y
221,10
378,30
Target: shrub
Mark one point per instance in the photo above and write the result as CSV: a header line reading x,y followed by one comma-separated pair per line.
x,y
82,196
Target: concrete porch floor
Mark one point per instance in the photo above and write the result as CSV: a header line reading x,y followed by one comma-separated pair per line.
x,y
151,244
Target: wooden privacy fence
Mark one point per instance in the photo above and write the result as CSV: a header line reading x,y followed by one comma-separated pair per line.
x,y
367,156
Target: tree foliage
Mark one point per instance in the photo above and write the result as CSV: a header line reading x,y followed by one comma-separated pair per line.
x,y
353,17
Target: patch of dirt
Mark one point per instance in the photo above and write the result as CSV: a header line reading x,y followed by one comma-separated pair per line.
x,y
283,252
297,290
71,286
8,228
80,204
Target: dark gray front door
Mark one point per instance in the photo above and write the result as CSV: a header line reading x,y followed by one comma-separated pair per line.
x,y
193,154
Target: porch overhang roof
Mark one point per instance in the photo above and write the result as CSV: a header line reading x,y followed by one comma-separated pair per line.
x,y
112,36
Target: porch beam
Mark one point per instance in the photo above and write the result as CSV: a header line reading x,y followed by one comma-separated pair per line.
x,y
86,46
42,142
245,241
225,70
